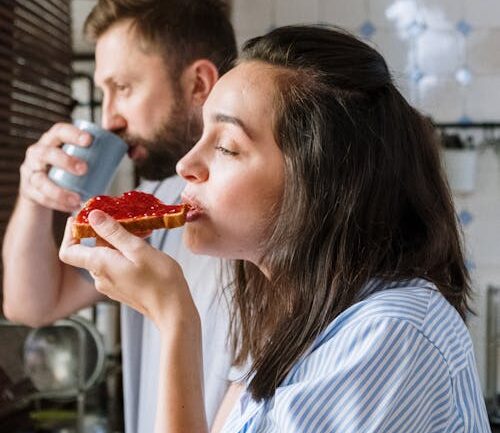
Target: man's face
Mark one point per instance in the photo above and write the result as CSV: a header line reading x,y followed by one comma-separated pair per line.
x,y
143,104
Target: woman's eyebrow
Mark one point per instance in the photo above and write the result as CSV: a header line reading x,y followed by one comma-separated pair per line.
x,y
225,118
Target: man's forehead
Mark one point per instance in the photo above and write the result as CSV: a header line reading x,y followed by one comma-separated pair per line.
x,y
112,62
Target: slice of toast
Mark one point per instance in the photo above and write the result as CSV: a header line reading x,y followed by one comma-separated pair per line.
x,y
138,212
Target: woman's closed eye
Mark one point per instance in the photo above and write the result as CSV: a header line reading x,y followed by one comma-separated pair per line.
x,y
225,151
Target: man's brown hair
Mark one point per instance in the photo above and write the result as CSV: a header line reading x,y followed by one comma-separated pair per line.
x,y
181,30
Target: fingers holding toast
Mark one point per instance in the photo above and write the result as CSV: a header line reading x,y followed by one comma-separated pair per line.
x,y
137,212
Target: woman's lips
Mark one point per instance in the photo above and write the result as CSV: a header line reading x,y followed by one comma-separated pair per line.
x,y
195,210
193,214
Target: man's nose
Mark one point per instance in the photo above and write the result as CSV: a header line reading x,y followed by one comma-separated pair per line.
x,y
112,120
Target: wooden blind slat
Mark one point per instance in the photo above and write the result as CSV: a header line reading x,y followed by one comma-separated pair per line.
x,y
4,215
33,59
50,111
6,190
22,117
29,94
8,164
61,12
7,202
24,38
9,178
28,135
24,121
8,14
14,147
55,35
35,49
45,9
47,89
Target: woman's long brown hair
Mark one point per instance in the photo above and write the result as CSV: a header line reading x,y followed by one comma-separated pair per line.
x,y
365,197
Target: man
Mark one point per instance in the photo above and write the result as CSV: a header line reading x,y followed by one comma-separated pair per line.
x,y
156,62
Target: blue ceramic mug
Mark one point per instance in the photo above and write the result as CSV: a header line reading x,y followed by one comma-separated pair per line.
x,y
103,157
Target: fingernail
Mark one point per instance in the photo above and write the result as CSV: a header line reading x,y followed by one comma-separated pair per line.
x,y
96,218
84,139
81,167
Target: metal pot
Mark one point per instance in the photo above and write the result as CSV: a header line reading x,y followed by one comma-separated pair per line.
x,y
64,359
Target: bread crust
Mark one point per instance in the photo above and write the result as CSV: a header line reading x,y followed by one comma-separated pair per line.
x,y
136,225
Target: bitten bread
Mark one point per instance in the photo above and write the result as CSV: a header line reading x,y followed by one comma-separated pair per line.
x,y
138,212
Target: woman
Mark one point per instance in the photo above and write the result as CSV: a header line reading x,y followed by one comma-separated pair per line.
x,y
350,290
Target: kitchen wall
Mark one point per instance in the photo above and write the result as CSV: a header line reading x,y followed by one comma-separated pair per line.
x,y
445,56
443,53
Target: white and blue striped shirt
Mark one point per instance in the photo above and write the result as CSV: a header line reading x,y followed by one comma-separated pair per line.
x,y
399,360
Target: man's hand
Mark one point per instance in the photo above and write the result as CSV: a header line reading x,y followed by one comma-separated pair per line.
x,y
35,184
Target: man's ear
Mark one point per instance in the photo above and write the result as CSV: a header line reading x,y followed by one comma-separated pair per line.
x,y
198,79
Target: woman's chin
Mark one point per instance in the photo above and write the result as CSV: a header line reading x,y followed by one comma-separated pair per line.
x,y
200,240
192,240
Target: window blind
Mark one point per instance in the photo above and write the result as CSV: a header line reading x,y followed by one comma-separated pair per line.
x,y
35,83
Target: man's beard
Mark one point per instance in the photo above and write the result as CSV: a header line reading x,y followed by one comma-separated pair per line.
x,y
168,144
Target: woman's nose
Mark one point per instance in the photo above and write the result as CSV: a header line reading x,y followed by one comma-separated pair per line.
x,y
192,168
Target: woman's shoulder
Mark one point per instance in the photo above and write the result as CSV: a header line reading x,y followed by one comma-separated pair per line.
x,y
404,300
388,301
400,312
393,351
415,301
422,305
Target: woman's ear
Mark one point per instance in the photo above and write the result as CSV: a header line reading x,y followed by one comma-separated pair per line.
x,y
199,78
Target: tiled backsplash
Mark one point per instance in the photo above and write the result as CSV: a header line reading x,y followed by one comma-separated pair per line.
x,y
443,53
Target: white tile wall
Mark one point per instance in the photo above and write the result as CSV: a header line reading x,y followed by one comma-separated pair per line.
x,y
438,52
483,98
441,97
383,13
349,14
483,51
436,37
253,18
296,11
483,14
442,14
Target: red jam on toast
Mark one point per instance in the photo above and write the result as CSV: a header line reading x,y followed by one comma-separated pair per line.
x,y
137,211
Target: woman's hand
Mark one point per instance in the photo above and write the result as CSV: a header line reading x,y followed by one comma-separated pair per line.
x,y
131,271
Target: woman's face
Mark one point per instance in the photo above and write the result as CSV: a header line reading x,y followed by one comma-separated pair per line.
x,y
235,172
